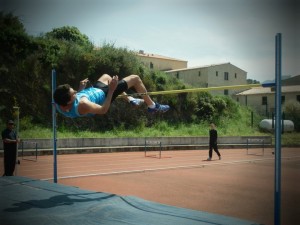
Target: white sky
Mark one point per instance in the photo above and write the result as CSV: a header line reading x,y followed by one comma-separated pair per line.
x,y
201,32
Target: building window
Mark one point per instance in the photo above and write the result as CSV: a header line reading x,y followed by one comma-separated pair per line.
x,y
225,92
282,99
217,73
199,74
237,99
264,100
226,76
177,75
298,98
235,76
151,65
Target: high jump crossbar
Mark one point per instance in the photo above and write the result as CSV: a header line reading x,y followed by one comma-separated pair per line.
x,y
192,90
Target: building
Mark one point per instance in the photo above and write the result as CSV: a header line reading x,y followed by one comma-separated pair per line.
x,y
262,100
295,80
216,75
159,62
225,74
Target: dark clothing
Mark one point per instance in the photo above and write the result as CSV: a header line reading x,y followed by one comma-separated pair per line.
x,y
213,142
213,136
122,87
10,152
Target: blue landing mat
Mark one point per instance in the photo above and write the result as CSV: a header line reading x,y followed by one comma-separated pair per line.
x,y
34,202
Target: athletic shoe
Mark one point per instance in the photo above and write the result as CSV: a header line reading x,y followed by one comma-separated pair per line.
x,y
219,157
159,108
208,159
137,102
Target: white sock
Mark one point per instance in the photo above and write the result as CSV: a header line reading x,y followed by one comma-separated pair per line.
x,y
152,106
130,98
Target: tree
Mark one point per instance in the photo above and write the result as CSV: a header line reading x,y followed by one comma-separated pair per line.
x,y
251,81
70,34
15,45
14,42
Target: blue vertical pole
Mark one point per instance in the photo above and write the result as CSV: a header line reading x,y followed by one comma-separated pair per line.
x,y
277,192
54,127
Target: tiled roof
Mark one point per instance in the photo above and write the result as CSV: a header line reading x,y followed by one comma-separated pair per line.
x,y
205,66
150,55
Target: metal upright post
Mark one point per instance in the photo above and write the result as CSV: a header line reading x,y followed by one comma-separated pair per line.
x,y
54,127
17,115
277,194
145,147
282,122
160,148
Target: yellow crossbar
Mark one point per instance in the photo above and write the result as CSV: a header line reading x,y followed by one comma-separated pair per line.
x,y
197,90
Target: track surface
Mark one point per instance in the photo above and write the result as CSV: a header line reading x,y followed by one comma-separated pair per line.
x,y
239,185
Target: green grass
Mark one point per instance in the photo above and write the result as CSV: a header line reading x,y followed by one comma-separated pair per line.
x,y
290,139
160,129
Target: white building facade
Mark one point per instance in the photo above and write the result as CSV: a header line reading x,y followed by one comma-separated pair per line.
x,y
215,75
262,100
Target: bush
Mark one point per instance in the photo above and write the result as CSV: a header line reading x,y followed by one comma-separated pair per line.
x,y
292,112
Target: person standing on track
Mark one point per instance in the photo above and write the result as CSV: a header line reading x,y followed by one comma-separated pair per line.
x,y
10,140
97,99
213,141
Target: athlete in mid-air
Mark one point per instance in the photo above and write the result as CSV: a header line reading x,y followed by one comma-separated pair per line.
x,y
98,98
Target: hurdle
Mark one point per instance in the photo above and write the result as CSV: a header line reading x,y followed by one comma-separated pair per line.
x,y
152,143
256,142
29,149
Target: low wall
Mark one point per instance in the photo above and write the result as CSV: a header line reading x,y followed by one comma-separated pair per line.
x,y
91,145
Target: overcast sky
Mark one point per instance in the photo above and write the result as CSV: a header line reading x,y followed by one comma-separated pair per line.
x,y
202,32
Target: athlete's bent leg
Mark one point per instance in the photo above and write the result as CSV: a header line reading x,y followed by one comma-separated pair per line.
x,y
134,81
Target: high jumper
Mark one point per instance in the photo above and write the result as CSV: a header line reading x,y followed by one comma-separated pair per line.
x,y
98,98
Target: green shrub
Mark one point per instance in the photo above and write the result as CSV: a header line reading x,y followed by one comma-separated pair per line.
x,y
292,112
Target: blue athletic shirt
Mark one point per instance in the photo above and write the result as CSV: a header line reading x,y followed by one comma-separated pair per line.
x,y
95,95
